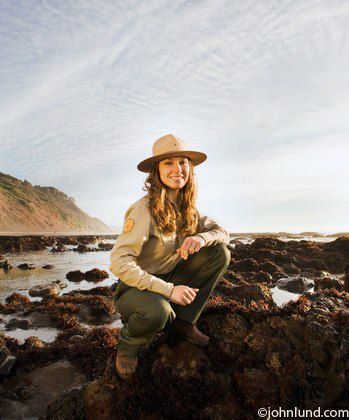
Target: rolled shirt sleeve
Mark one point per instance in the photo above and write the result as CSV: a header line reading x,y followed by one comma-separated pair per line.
x,y
211,232
128,246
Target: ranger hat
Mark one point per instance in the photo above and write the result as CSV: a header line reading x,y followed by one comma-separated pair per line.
x,y
170,146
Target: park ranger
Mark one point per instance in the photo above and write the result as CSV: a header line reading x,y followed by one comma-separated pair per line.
x,y
168,258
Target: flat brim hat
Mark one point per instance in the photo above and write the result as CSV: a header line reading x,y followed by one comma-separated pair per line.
x,y
170,146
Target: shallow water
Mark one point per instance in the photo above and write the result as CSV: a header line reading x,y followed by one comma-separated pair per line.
x,y
21,281
321,239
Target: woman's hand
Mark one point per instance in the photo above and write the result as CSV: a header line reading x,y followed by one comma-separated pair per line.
x,y
183,295
190,245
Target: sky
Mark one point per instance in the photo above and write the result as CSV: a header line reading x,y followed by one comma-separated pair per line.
x,y
261,87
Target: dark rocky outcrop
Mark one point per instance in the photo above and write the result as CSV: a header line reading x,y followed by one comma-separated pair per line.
x,y
52,289
75,276
6,265
96,275
105,246
258,357
48,267
295,284
288,258
26,266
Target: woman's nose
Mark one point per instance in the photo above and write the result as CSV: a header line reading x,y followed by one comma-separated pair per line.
x,y
177,167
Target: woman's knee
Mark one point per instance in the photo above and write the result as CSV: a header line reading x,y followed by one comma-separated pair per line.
x,y
222,254
158,314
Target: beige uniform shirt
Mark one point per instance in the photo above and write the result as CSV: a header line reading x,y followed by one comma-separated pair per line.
x,y
142,250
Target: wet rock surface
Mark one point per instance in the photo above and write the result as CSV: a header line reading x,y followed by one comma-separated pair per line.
x,y
6,265
24,243
94,275
295,284
75,276
48,267
39,388
281,258
260,355
26,266
52,289
37,243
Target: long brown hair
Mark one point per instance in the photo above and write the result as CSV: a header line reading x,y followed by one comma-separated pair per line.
x,y
170,218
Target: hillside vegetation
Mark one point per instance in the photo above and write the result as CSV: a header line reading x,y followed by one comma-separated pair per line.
x,y
28,208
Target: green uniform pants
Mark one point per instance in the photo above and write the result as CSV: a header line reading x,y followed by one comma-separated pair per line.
x,y
145,313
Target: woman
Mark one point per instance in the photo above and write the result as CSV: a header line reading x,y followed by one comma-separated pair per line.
x,y
168,258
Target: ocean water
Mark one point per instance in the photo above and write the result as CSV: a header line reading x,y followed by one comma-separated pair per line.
x,y
21,281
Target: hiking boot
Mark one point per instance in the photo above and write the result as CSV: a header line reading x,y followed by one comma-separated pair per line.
x,y
125,365
190,332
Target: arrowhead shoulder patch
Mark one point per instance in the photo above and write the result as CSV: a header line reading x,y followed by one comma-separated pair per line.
x,y
128,225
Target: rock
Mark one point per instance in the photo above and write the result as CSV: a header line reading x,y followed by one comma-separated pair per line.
x,y
328,283
96,275
82,248
21,323
93,400
248,264
253,383
263,276
6,361
31,343
346,278
48,267
295,284
60,283
45,290
271,268
24,243
18,301
6,265
76,339
228,332
66,240
259,356
105,246
26,266
85,240
58,248
188,369
41,387
70,404
247,293
280,258
40,319
291,269
93,315
75,276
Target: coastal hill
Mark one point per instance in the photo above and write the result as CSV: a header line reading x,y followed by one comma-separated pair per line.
x,y
28,208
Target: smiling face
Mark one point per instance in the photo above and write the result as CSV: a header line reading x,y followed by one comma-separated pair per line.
x,y
174,172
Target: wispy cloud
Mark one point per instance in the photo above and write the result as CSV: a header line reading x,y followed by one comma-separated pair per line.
x,y
262,87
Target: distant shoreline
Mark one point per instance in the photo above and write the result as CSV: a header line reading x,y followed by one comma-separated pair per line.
x,y
112,235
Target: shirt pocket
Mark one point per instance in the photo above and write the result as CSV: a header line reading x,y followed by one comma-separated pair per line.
x,y
168,243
